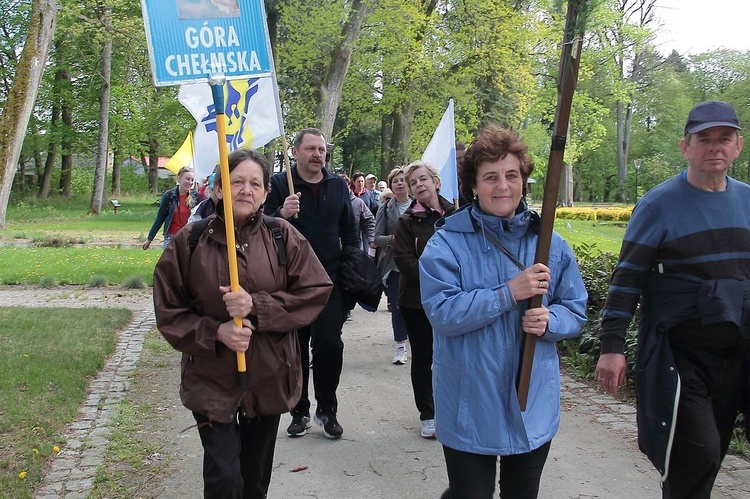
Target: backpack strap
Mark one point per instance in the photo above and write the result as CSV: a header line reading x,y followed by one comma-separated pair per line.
x,y
197,228
273,225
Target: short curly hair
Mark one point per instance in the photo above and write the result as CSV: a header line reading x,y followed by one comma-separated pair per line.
x,y
415,165
493,142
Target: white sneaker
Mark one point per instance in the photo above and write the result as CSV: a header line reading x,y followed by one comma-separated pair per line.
x,y
428,428
349,317
400,358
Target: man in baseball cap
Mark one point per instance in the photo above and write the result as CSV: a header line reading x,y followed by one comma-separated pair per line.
x,y
709,114
370,181
686,257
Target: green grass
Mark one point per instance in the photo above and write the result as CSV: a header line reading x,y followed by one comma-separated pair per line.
x,y
51,232
76,265
47,356
67,219
607,237
136,454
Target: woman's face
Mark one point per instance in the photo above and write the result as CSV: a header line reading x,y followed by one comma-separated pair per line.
x,y
248,190
399,187
185,181
422,185
499,186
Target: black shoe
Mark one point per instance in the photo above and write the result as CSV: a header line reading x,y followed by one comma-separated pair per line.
x,y
331,427
298,427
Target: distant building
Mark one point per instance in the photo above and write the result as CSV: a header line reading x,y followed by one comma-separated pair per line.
x,y
137,166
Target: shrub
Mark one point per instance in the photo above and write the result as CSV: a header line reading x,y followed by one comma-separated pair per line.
x,y
98,281
595,214
48,281
134,282
582,353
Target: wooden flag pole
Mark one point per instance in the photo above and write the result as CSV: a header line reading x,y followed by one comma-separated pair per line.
x,y
566,85
217,90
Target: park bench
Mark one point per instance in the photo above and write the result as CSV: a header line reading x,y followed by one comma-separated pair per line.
x,y
115,204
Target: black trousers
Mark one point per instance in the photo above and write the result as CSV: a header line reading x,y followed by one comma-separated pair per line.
x,y
237,456
324,337
712,385
419,330
472,476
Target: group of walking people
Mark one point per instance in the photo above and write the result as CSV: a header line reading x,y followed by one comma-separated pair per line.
x,y
459,283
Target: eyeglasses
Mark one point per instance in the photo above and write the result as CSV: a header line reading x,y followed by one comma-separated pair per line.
x,y
183,170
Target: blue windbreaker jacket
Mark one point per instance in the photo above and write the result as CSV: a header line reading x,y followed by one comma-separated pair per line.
x,y
478,337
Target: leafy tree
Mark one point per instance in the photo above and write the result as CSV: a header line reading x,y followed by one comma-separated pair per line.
x,y
22,93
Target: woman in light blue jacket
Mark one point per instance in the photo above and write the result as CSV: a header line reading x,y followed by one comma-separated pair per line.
x,y
475,294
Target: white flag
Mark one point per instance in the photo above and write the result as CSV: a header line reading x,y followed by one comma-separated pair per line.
x,y
252,118
441,153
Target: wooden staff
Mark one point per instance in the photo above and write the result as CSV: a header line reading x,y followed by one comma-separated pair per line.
x,y
217,90
566,85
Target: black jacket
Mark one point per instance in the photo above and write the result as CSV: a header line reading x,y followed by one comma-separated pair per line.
x,y
668,300
413,229
327,221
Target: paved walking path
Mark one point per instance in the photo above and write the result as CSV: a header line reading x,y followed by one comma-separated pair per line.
x,y
381,454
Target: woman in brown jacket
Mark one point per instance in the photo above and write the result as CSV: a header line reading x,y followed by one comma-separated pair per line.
x,y
194,309
414,229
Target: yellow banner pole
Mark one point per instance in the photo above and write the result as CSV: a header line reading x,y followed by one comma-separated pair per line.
x,y
217,90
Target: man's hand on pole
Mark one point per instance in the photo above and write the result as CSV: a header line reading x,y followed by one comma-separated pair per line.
x,y
291,206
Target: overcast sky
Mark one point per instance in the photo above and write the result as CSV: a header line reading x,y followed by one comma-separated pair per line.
x,y
696,26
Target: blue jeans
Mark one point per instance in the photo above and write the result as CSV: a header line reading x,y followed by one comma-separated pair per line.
x,y
397,318
167,239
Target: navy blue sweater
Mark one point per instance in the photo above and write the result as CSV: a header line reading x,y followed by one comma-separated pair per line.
x,y
677,229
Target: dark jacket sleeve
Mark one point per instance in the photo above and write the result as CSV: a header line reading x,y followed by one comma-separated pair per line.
x,y
183,327
368,221
382,238
347,226
405,249
161,215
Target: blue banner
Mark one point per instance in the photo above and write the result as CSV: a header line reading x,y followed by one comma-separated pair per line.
x,y
189,40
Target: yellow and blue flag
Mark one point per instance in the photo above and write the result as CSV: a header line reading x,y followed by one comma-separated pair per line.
x,y
252,118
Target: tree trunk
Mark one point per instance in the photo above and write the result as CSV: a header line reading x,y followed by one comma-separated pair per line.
x,y
386,155
66,164
565,194
38,169
102,150
329,93
20,101
117,159
153,165
49,162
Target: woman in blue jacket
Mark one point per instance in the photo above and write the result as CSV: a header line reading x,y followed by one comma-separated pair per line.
x,y
475,295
